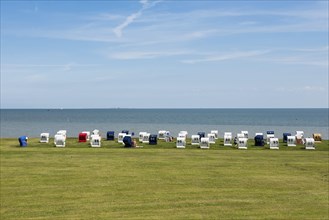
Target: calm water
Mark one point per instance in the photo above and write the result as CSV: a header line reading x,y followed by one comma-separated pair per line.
x,y
30,122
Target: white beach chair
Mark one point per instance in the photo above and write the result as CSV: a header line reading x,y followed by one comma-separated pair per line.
x,y
44,137
299,137
215,132
59,140
146,138
243,143
181,142
274,143
141,134
268,138
120,137
291,141
95,140
161,134
309,144
204,143
227,139
195,140
212,138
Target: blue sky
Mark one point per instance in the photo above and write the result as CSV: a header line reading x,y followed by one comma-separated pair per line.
x,y
164,54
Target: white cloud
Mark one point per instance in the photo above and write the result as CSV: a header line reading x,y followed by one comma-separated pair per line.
x,y
145,54
296,59
227,56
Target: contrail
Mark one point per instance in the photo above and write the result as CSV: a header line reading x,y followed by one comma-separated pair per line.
x,y
145,5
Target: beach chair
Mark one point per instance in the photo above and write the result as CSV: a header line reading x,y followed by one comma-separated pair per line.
x,y
291,141
141,135
204,143
162,134
181,142
195,140
127,141
317,138
259,140
285,137
309,144
215,132
95,140
44,137
212,138
227,139
243,143
59,140
23,141
88,134
268,138
82,137
110,136
299,137
274,143
120,137
125,131
202,134
146,138
153,139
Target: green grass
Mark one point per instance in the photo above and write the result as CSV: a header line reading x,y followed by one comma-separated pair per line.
x,y
162,182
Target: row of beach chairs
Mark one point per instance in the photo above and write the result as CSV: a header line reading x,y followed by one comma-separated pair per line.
x,y
200,139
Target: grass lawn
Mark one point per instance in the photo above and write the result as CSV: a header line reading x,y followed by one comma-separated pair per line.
x,y
162,182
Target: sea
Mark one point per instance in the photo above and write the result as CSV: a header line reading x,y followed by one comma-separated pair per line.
x,y
32,122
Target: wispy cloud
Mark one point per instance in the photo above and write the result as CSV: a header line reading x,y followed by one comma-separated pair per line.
x,y
146,54
131,18
307,88
227,56
63,67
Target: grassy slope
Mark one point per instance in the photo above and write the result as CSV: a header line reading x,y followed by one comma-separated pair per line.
x,y
161,182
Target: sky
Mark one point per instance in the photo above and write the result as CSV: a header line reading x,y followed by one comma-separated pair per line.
x,y
164,54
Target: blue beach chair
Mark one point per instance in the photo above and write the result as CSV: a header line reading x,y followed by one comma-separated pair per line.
x,y
23,141
110,136
153,140
127,141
